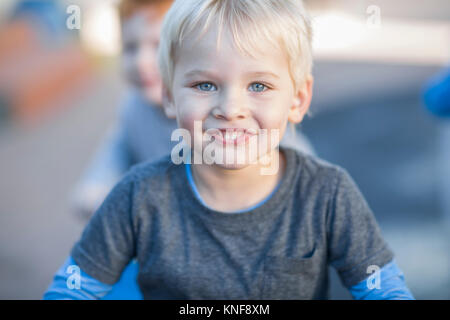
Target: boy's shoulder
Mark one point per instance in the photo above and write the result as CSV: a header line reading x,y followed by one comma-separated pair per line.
x,y
316,178
153,169
320,178
315,168
153,180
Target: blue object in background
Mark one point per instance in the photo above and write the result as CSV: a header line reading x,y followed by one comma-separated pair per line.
x,y
437,94
47,16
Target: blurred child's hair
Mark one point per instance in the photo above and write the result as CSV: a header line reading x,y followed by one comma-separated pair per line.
x,y
129,7
283,23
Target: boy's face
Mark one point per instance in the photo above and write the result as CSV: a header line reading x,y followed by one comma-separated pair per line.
x,y
140,39
225,89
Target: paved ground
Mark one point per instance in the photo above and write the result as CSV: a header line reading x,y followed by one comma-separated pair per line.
x,y
368,118
39,167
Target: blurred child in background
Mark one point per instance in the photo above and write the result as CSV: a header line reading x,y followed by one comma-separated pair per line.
x,y
142,131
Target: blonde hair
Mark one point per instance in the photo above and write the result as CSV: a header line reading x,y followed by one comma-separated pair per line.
x,y
284,23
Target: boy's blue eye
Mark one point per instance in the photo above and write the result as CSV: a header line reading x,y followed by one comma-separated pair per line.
x,y
257,87
206,86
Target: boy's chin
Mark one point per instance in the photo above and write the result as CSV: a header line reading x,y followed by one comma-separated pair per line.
x,y
233,163
232,158
232,166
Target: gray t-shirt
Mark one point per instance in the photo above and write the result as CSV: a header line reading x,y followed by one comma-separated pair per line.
x,y
280,250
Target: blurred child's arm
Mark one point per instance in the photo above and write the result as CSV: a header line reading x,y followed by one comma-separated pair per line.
x,y
72,283
391,286
112,160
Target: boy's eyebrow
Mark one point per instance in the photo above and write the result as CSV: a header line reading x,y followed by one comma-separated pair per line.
x,y
249,74
262,73
200,72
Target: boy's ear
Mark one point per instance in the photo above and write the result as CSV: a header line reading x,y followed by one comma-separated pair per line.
x,y
302,101
168,105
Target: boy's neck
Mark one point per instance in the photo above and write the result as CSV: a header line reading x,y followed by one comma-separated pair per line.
x,y
245,187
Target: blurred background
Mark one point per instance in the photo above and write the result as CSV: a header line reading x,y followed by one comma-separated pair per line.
x,y
59,90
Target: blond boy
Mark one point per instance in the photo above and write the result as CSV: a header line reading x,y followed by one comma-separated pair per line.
x,y
224,230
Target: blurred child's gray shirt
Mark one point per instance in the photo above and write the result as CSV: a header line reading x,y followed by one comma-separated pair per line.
x,y
279,250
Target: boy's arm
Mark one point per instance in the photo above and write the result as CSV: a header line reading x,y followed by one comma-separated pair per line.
x,y
108,242
72,283
386,284
355,245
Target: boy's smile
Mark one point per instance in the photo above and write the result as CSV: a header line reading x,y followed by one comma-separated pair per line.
x,y
235,95
233,136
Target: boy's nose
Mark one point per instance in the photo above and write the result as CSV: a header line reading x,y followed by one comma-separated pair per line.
x,y
231,107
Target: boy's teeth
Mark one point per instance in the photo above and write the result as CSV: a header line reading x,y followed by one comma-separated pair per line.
x,y
230,135
233,135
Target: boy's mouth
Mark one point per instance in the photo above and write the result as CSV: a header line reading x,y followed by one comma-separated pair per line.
x,y
233,136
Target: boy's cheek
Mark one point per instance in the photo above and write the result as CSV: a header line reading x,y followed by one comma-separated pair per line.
x,y
272,120
195,128
187,121
190,110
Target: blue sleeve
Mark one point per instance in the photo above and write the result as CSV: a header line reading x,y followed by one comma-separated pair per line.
x,y
71,283
391,285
